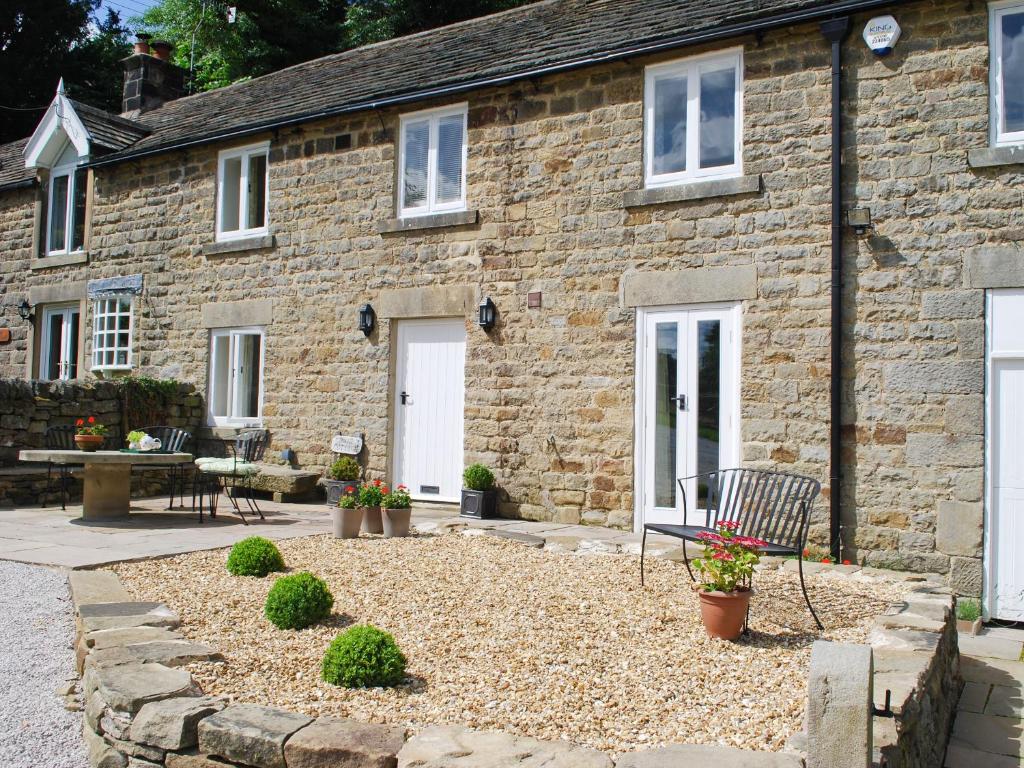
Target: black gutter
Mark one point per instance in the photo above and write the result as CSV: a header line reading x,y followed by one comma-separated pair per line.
x,y
693,38
18,185
834,31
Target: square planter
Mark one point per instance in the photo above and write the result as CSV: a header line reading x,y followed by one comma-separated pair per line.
x,y
336,489
968,627
479,504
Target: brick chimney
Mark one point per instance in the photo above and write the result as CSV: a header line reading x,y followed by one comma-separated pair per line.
x,y
150,80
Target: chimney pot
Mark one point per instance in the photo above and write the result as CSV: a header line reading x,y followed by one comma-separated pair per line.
x,y
162,49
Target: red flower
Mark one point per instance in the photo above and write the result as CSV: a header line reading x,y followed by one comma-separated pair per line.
x,y
826,559
385,490
403,487
79,423
846,562
349,489
807,552
92,419
377,483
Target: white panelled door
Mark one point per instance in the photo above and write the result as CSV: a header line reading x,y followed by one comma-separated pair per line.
x,y
1004,588
430,384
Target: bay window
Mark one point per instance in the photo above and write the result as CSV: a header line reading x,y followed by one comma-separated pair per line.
x,y
235,394
1006,40
242,188
432,162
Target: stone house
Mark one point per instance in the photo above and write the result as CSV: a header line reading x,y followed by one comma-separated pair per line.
x,y
641,196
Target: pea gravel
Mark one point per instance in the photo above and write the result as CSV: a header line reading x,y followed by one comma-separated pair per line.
x,y
502,636
37,632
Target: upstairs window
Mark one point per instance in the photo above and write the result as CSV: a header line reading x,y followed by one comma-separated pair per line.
x,y
432,162
65,210
1006,38
693,119
242,192
236,377
112,333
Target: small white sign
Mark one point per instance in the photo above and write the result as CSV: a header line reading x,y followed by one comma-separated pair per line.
x,y
350,444
881,34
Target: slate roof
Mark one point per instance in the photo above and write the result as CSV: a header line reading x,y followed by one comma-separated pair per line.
x,y
13,172
108,131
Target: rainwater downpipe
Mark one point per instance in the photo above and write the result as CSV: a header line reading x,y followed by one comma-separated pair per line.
x,y
834,31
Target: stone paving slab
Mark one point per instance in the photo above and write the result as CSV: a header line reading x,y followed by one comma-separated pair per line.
x,y
960,755
992,646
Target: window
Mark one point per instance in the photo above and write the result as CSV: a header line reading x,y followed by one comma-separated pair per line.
x,y
236,377
112,333
693,119
432,162
1006,38
58,350
65,210
242,192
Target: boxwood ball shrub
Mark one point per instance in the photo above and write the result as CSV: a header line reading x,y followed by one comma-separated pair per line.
x,y
477,477
254,556
363,657
298,600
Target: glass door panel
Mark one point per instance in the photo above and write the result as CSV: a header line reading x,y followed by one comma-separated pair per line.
x,y
58,352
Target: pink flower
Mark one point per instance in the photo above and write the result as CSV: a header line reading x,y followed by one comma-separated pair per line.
x,y
729,525
722,555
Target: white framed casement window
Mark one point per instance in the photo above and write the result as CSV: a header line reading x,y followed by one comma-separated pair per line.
x,y
693,119
58,347
1006,72
432,161
235,394
112,333
65,210
242,192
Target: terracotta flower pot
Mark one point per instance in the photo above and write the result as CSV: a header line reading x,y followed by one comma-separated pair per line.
x,y
724,612
88,443
371,520
346,522
396,522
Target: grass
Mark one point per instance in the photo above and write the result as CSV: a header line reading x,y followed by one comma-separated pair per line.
x,y
968,609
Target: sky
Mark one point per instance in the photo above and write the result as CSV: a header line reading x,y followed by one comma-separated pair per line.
x,y
126,8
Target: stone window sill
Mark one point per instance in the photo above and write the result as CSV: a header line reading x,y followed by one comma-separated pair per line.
x,y
62,260
694,190
992,157
226,247
433,221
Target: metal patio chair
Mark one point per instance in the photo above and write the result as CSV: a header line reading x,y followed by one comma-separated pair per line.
x,y
234,473
772,506
172,440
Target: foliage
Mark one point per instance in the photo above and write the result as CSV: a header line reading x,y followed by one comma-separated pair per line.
x,y
135,436
348,501
146,400
371,494
397,499
254,556
345,468
968,609
363,657
89,426
93,69
728,560
298,600
370,21
813,554
477,477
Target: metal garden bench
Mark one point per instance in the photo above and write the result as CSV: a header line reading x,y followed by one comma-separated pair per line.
x,y
771,506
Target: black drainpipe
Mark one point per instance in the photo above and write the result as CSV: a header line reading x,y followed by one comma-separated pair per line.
x,y
834,31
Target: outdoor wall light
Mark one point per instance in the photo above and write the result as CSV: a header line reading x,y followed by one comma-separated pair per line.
x,y
25,310
367,319
488,314
859,219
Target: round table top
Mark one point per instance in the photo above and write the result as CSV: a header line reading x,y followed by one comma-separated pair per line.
x,y
103,457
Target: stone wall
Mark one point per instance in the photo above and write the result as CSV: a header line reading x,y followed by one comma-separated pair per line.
x,y
549,392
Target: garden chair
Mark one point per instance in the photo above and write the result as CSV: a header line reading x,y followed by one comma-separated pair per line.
x,y
172,440
234,473
772,506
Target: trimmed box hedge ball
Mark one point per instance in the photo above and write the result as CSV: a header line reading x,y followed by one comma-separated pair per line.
x,y
363,657
254,556
297,601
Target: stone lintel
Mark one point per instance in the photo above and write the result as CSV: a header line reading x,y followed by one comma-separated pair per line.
x,y
839,701
226,247
430,301
234,314
991,157
61,260
994,266
431,221
694,190
52,294
689,286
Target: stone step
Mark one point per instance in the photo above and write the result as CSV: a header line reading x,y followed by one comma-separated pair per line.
x,y
89,587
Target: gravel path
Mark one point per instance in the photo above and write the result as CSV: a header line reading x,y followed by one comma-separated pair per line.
x,y
36,632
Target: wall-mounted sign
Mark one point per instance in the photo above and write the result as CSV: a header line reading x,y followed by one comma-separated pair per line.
x,y
881,34
350,444
5,335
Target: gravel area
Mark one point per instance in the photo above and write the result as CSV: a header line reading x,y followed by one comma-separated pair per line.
x,y
37,631
502,636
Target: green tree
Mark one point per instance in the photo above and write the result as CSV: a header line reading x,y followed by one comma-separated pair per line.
x,y
370,21
93,66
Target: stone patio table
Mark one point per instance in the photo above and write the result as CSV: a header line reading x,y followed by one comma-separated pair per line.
x,y
108,476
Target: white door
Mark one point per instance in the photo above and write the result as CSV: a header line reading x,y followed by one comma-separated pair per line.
x,y
1004,539
429,398
58,352
687,406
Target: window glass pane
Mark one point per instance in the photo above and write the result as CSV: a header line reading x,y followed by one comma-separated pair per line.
x,y
718,118
667,343
231,183
78,214
414,172
220,375
54,330
255,216
449,159
248,396
58,213
1012,65
72,345
669,125
709,400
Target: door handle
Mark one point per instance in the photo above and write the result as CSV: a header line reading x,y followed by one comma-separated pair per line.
x,y
680,401
405,397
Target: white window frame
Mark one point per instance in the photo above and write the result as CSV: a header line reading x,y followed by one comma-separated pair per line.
x,y
691,67
999,137
234,350
434,117
66,341
242,153
97,350
70,171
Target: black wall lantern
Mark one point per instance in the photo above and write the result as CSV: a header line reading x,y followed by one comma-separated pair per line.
x,y
488,314
367,319
859,219
25,310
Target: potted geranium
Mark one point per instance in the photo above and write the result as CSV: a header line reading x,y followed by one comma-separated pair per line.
x,y
89,434
396,511
479,499
341,475
346,517
726,568
368,499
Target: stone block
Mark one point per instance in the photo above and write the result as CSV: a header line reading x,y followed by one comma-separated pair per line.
x,y
433,301
274,478
705,756
958,528
233,314
641,289
173,723
124,615
455,747
94,707
101,754
839,697
908,621
955,378
193,759
952,305
88,587
966,575
171,653
127,687
331,742
927,449
250,734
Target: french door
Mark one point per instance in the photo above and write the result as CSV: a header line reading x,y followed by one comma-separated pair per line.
x,y
58,353
236,377
687,406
